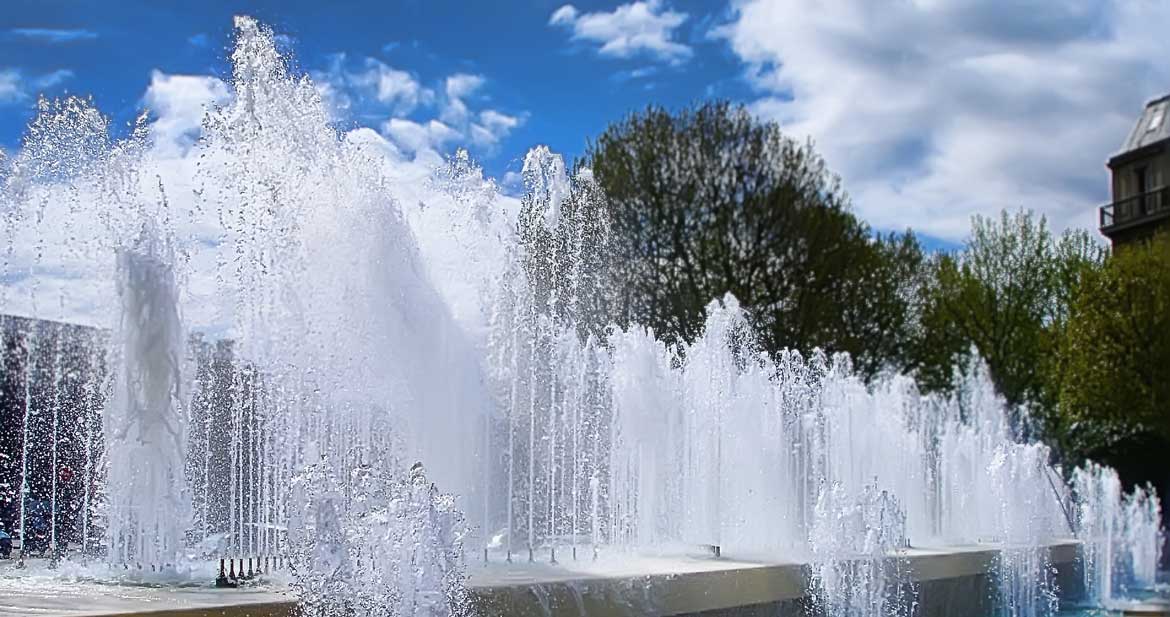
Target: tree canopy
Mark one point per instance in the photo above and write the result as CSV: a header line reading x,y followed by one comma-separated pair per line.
x,y
712,200
1006,295
1118,353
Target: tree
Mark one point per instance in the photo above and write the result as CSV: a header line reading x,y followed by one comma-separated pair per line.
x,y
712,200
1118,352
1006,295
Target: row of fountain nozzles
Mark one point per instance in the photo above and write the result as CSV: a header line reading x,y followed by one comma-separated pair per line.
x,y
228,577
532,557
714,549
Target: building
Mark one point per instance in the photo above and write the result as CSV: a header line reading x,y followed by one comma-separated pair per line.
x,y
1140,178
53,386
50,373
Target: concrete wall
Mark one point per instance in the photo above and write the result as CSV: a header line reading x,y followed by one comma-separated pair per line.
x,y
952,583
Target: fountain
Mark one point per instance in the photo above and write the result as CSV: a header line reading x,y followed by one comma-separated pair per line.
x,y
381,347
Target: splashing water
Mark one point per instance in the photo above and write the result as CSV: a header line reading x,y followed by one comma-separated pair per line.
x,y
1122,534
852,541
362,312
145,424
372,544
284,236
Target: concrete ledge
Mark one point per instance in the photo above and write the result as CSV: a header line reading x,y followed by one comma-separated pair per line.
x,y
952,581
686,587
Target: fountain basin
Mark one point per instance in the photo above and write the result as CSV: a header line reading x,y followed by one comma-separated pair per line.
x,y
951,581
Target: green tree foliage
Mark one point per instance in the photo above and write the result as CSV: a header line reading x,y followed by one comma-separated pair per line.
x,y
711,200
1007,296
1118,352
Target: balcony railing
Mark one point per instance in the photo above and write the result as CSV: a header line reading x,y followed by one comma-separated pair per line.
x,y
1141,207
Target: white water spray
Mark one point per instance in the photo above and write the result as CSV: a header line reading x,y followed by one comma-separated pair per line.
x,y
149,504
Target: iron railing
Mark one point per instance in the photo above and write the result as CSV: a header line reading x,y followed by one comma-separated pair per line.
x,y
1151,204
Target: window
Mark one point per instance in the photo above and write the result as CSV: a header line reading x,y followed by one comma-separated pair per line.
x,y
1142,178
1155,120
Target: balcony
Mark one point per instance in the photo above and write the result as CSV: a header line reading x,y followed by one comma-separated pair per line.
x,y
1148,207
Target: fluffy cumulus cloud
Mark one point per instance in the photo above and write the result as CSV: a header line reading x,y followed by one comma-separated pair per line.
x,y
416,137
485,128
391,86
458,87
417,119
933,111
645,27
178,104
461,85
344,85
493,126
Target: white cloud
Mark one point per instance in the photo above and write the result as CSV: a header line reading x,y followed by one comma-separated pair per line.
x,y
15,88
11,86
481,136
492,127
414,137
54,36
421,120
635,74
375,81
513,183
565,15
391,86
934,111
460,85
497,122
644,27
179,103
49,80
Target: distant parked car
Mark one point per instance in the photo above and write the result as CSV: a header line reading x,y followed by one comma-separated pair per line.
x,y
5,543
35,536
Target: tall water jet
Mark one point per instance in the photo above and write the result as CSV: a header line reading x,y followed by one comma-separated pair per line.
x,y
1121,533
148,500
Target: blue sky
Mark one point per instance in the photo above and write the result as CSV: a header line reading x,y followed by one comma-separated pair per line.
x,y
561,90
931,111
